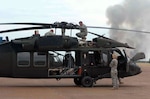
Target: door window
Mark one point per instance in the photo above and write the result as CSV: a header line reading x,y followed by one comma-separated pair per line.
x,y
23,59
105,59
39,59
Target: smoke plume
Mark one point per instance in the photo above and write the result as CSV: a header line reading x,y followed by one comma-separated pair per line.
x,y
131,14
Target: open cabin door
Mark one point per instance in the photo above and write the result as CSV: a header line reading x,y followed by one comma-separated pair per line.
x,y
55,64
95,63
61,64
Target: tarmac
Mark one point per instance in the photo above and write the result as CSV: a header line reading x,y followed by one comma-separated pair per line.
x,y
135,87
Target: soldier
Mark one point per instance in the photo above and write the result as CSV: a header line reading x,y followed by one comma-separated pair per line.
x,y
49,33
36,33
114,72
83,31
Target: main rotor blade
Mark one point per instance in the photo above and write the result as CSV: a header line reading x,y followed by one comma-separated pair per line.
x,y
21,29
119,29
26,23
63,25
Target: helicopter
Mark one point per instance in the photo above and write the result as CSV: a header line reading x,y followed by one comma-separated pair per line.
x,y
41,56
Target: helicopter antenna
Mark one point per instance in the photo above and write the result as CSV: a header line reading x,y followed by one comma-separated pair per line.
x,y
95,34
102,36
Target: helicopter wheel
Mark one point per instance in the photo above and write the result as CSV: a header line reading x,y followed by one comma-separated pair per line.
x,y
87,81
77,81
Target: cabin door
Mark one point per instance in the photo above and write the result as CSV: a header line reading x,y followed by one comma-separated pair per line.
x,y
99,63
30,65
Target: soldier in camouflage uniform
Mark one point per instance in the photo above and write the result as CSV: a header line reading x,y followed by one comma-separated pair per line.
x,y
83,31
114,72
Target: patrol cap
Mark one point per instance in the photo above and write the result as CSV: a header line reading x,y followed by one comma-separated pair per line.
x,y
115,54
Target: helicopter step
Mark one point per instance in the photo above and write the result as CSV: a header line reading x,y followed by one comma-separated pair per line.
x,y
62,73
107,75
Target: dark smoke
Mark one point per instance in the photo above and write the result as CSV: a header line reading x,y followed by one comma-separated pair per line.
x,y
131,14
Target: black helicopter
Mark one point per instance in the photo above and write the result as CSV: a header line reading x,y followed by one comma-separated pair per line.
x,y
41,56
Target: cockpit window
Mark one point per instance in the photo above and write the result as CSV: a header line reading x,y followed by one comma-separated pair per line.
x,y
105,59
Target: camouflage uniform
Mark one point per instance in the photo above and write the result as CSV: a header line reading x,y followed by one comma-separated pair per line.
x,y
83,32
114,73
49,33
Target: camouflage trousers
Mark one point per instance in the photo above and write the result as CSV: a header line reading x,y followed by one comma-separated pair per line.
x,y
114,76
82,35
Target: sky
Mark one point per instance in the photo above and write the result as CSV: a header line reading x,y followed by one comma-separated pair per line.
x,y
91,12
129,14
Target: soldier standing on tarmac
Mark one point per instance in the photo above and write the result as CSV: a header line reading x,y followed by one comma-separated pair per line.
x,y
114,72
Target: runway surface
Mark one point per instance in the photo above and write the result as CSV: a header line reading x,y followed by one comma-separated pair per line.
x,y
136,87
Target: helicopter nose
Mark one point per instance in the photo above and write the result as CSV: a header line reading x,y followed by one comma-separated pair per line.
x,y
138,69
134,69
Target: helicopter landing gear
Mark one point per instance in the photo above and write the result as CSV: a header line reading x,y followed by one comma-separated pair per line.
x,y
77,81
87,81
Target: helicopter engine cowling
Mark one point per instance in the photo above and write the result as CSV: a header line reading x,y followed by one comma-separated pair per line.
x,y
47,42
26,43
109,43
56,42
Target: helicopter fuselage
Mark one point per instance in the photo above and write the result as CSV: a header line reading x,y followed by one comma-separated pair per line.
x,y
34,57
